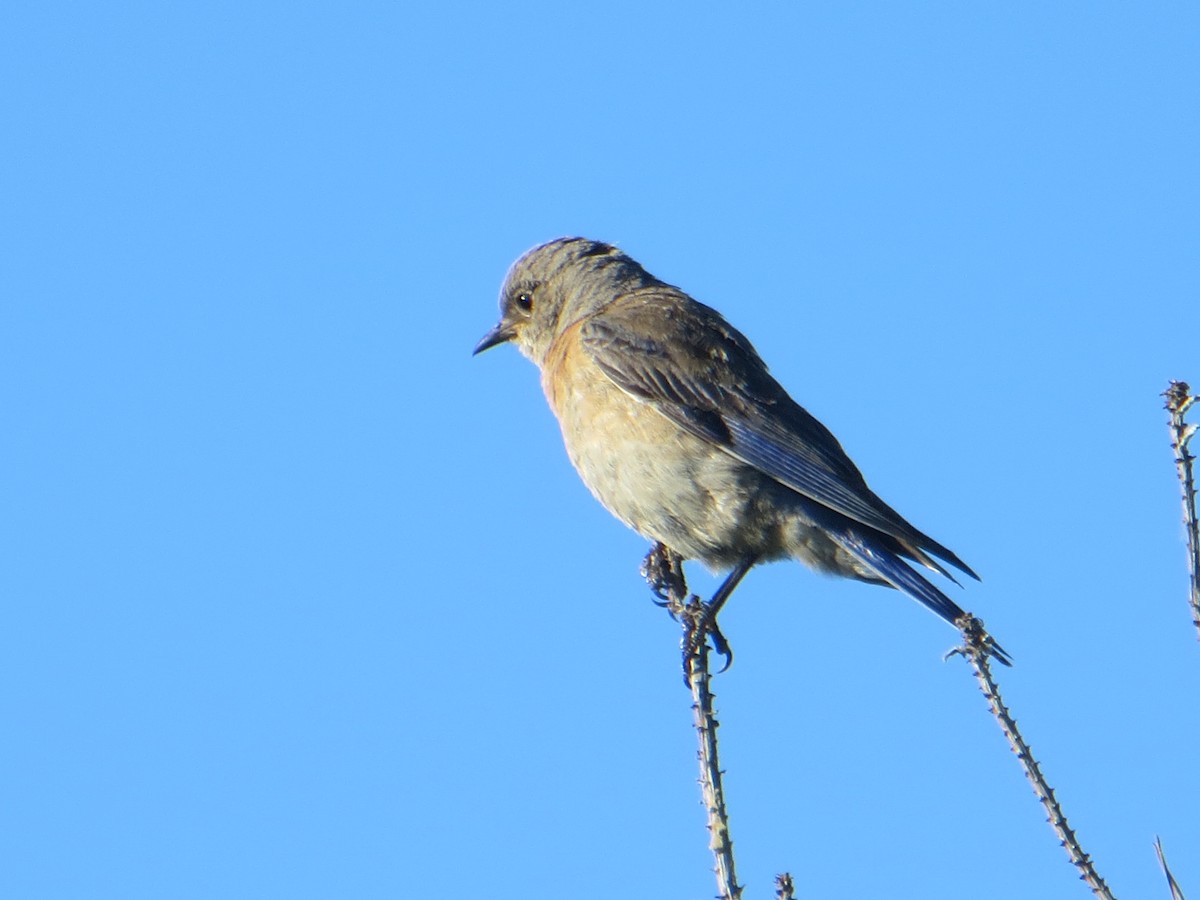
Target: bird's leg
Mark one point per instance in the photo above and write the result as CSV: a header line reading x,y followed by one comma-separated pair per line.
x,y
663,570
713,606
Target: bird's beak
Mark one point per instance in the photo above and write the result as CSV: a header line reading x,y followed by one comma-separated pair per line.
x,y
502,333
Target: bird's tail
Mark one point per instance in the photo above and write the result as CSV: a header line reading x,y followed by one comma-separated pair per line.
x,y
896,572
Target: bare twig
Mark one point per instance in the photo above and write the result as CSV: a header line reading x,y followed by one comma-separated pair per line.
x,y
691,613
975,651
784,889
1179,401
1176,893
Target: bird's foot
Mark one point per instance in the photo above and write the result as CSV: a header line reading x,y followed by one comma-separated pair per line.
x,y
700,624
663,570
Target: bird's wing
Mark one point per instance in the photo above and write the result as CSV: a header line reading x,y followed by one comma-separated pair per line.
x,y
686,361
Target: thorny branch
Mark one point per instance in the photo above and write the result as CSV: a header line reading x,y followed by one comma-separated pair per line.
x,y
1179,401
664,570
975,651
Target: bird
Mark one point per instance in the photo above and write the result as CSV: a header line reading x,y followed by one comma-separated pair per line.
x,y
676,426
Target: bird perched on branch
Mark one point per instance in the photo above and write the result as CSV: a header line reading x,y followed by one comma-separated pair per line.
x,y
675,425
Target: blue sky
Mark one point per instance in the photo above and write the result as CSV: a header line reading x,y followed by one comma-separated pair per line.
x,y
303,601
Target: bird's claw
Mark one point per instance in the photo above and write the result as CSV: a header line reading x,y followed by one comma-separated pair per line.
x,y
663,570
702,624
720,645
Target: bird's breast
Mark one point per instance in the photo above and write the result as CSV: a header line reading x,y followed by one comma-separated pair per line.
x,y
664,482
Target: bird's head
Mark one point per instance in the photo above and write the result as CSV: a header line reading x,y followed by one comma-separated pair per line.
x,y
555,285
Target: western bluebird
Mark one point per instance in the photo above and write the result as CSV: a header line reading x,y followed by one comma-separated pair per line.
x,y
675,425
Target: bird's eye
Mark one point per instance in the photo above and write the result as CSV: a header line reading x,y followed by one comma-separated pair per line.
x,y
525,301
